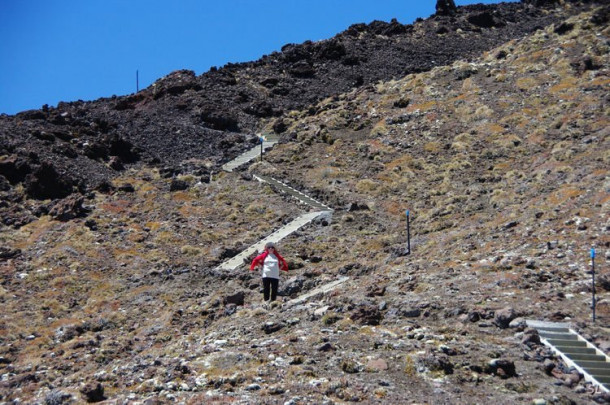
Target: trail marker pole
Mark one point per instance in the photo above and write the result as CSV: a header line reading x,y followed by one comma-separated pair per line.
x,y
593,281
262,140
137,81
408,233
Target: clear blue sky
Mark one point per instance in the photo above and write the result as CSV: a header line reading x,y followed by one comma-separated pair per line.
x,y
66,50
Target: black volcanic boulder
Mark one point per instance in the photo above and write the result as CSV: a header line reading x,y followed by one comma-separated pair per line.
x,y
45,183
445,7
14,169
219,120
484,20
302,69
123,149
93,392
367,314
331,49
69,208
32,115
175,83
96,150
261,109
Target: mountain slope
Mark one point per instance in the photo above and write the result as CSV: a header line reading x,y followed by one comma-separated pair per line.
x,y
215,115
502,161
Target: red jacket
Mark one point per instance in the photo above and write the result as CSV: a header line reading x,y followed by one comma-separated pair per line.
x,y
260,259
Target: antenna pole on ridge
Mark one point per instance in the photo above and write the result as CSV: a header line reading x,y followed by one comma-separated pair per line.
x,y
137,81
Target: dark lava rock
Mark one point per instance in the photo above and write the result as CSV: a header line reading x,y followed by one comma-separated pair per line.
x,y
503,317
237,298
292,286
502,368
601,16
178,185
326,347
116,164
93,392
367,314
105,187
271,327
69,208
96,150
14,169
483,20
530,337
434,362
219,121
46,183
564,28
5,254
91,224
445,7
356,206
127,188
410,312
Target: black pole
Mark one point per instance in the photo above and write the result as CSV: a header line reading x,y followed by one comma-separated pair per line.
x,y
137,81
408,233
593,281
261,138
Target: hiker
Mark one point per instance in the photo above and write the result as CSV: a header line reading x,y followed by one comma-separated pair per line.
x,y
271,263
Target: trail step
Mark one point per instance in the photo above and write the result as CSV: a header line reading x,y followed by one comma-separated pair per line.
x,y
575,351
293,192
567,343
250,154
237,261
320,290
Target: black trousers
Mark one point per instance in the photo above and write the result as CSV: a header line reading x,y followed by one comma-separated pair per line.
x,y
270,285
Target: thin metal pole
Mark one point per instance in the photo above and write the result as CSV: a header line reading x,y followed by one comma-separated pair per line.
x,y
137,81
408,233
593,281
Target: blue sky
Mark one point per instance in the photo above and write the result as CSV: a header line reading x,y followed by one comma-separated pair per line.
x,y
66,50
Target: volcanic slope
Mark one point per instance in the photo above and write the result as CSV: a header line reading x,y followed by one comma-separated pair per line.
x,y
502,162
215,115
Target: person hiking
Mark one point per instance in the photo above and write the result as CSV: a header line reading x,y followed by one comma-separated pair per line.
x,y
271,262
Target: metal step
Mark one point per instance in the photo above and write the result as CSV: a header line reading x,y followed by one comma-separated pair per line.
x,y
551,329
558,336
569,350
575,351
586,357
567,343
587,364
604,379
293,192
602,372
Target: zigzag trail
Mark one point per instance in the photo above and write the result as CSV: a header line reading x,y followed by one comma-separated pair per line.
x,y
564,341
322,211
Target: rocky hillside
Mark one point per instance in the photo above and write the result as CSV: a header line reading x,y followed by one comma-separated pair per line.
x,y
501,158
215,115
